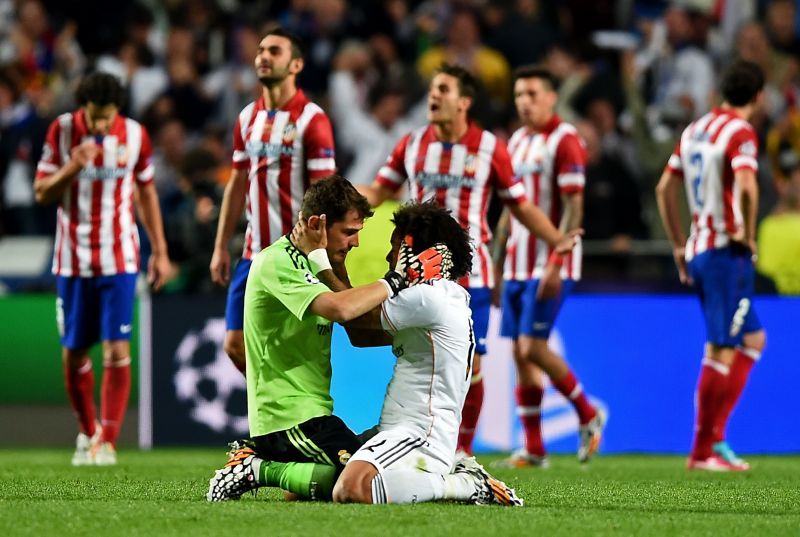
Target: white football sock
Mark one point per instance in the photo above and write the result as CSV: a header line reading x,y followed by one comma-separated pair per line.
x,y
407,486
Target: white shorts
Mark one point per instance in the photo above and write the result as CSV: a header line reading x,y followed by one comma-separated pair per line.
x,y
404,449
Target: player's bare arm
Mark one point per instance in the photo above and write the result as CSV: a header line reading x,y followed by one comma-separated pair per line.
x,y
550,284
159,267
748,201
233,201
537,223
667,197
51,188
499,241
375,193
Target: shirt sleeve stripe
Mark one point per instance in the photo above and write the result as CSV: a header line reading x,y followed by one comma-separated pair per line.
x,y
240,156
743,161
321,164
515,191
388,173
571,179
146,174
674,162
46,167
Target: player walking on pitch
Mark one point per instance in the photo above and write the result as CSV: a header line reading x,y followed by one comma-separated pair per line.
x,y
92,162
550,159
716,160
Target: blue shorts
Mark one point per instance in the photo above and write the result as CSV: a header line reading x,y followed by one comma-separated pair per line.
x,y
523,315
234,308
92,309
724,280
481,305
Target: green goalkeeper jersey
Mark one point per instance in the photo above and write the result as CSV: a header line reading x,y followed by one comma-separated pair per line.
x,y
288,348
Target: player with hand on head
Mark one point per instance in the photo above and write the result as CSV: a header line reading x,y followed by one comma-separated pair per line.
x,y
295,441
412,457
550,159
459,165
93,162
716,161
282,142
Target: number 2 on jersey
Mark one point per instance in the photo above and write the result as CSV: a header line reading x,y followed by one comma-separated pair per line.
x,y
696,161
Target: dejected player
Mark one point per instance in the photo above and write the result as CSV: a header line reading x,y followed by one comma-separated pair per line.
x,y
716,160
93,162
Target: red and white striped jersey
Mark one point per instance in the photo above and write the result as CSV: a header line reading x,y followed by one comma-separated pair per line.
x,y
550,163
708,154
460,177
96,233
285,150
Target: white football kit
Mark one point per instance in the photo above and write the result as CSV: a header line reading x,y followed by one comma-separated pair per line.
x,y
434,346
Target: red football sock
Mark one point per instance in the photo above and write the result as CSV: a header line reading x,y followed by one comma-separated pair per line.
x,y
114,398
572,390
711,389
743,362
80,390
529,408
471,413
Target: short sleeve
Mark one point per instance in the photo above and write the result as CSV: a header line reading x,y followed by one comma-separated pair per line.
x,y
509,188
674,164
319,149
50,161
240,160
290,280
144,170
415,307
570,164
742,150
392,174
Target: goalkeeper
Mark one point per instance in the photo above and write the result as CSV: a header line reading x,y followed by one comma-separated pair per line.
x,y
296,443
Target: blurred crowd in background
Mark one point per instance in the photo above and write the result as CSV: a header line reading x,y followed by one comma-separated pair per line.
x,y
633,74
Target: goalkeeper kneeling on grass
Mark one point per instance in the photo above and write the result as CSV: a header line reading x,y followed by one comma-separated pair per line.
x,y
412,456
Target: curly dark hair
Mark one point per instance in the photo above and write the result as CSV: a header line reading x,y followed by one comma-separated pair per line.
x,y
334,196
428,223
101,89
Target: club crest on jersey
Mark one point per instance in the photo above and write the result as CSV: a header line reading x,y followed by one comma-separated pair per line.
x,y
470,163
748,148
122,156
289,133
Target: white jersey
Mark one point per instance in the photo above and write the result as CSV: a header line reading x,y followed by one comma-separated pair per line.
x,y
434,346
707,156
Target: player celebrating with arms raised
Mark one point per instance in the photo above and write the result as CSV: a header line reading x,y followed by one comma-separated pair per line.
x,y
282,142
93,160
458,164
716,159
550,159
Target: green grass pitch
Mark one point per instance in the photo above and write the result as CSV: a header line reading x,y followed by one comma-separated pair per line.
x,y
162,493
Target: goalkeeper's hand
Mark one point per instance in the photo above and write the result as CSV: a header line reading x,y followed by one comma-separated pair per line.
x,y
395,282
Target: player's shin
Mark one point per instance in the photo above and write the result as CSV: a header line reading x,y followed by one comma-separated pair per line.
x,y
79,384
743,361
308,480
411,486
470,413
711,389
114,395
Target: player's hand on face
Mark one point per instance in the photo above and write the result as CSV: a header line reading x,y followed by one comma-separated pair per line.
x,y
565,245
85,153
159,270
310,235
220,267
550,283
679,254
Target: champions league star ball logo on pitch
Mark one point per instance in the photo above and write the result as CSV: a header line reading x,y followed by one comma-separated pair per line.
x,y
207,381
